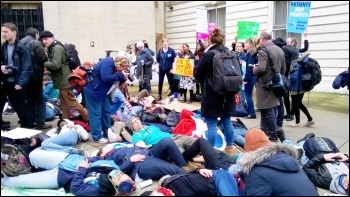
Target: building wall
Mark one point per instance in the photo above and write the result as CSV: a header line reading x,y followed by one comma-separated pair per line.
x,y
110,25
328,30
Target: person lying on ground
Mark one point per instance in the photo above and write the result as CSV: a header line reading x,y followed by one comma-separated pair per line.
x,y
201,182
270,169
142,161
60,170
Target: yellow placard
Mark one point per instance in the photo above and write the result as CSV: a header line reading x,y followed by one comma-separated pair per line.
x,y
184,67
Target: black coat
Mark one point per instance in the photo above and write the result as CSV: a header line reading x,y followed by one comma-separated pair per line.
x,y
213,105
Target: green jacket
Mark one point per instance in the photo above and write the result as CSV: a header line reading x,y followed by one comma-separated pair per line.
x,y
58,65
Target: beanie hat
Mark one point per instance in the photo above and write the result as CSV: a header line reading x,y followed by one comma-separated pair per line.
x,y
45,34
125,188
255,139
128,123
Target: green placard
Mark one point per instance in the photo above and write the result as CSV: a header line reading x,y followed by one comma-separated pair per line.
x,y
247,29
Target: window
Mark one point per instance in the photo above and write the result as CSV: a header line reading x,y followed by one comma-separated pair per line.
x,y
218,16
281,9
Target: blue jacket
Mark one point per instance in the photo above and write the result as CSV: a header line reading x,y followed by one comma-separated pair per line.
x,y
50,92
121,157
295,77
104,76
273,171
249,59
147,59
166,59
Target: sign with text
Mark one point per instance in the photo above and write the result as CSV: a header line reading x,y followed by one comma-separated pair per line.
x,y
247,29
298,16
211,27
184,67
202,24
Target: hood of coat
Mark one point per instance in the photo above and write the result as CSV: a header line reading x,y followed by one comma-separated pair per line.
x,y
274,155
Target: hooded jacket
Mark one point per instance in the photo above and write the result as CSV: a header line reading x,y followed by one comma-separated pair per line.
x,y
272,170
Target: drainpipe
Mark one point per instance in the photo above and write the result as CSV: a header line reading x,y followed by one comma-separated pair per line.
x,y
164,7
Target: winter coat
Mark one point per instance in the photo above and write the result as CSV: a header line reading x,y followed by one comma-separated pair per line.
x,y
272,170
296,72
104,76
266,99
147,58
290,53
321,172
166,59
213,105
38,51
58,65
341,80
22,61
249,59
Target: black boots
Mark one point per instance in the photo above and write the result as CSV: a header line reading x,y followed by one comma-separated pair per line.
x,y
280,134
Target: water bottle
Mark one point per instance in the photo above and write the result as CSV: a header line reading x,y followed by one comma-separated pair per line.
x,y
176,95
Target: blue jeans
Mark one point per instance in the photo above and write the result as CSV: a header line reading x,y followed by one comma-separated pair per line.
x,y
303,160
212,130
154,168
124,115
248,90
280,113
239,137
225,184
99,116
39,180
165,148
64,142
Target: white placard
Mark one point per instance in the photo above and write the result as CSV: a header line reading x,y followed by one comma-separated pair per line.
x,y
202,21
20,133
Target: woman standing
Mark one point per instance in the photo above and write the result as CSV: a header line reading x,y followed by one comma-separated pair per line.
x,y
106,72
198,54
186,83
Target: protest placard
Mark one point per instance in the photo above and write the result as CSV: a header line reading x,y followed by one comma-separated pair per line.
x,y
20,133
211,27
202,24
247,29
184,67
298,16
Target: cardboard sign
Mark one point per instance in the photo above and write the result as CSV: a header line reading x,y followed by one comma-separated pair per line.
x,y
202,24
211,27
298,16
247,29
201,36
178,107
20,133
184,67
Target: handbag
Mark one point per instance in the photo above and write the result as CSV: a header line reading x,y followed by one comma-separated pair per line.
x,y
240,109
173,118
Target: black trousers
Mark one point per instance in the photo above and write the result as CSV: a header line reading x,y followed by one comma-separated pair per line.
x,y
297,105
161,80
36,105
2,98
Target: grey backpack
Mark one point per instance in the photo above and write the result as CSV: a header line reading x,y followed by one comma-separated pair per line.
x,y
227,74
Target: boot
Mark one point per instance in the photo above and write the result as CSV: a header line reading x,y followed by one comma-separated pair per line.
x,y
231,150
273,136
280,134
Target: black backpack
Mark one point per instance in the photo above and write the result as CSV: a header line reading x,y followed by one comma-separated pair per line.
x,y
227,74
72,56
312,74
314,146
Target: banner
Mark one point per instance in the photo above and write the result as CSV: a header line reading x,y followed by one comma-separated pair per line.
x,y
184,67
298,16
247,29
202,24
211,27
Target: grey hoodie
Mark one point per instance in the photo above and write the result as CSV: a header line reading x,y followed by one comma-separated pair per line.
x,y
336,185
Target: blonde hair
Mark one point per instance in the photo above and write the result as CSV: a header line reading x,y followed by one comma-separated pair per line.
x,y
122,61
294,41
164,39
252,44
217,36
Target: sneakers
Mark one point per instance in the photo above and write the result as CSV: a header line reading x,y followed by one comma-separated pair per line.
x,y
102,141
250,117
190,166
9,111
83,134
295,125
112,137
193,165
310,123
43,126
231,150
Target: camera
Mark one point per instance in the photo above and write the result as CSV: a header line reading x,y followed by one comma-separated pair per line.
x,y
11,73
131,78
268,85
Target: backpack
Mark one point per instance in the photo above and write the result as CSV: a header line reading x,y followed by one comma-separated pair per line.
x,y
80,76
72,56
314,146
13,161
312,74
227,74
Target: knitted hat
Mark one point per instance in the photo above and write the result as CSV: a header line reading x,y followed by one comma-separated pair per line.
x,y
45,34
125,188
128,123
254,139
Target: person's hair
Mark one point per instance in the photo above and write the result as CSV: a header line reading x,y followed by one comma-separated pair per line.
x,y
11,26
31,31
241,43
47,77
122,61
252,43
164,39
201,48
217,36
145,43
140,44
266,35
294,41
258,42
233,45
